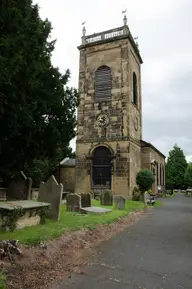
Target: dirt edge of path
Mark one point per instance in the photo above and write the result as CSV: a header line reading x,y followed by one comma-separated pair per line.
x,y
40,268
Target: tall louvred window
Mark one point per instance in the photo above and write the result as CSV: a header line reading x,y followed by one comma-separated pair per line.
x,y
103,83
135,96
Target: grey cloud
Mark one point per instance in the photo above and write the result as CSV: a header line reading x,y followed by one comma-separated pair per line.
x,y
167,101
167,116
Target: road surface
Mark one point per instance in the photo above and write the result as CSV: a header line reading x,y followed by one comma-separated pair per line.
x,y
156,253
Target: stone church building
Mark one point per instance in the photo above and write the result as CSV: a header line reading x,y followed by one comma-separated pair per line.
x,y
110,150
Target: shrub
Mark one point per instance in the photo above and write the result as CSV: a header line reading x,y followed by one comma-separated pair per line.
x,y
150,192
136,194
144,180
168,192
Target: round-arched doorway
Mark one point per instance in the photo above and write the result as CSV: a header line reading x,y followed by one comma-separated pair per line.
x,y
101,167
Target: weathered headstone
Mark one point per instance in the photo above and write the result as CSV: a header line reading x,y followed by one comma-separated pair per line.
x,y
35,194
20,188
3,194
73,203
107,198
146,198
51,192
85,200
119,203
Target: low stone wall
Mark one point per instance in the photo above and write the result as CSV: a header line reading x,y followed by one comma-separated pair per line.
x,y
66,176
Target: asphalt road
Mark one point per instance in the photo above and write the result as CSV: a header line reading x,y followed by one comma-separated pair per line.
x,y
154,254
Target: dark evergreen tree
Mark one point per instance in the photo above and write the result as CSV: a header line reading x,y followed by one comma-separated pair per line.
x,y
175,168
37,108
188,176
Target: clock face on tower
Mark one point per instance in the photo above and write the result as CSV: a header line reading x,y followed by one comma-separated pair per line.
x,y
102,120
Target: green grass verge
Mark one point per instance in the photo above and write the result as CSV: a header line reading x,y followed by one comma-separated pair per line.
x,y
2,280
68,222
158,203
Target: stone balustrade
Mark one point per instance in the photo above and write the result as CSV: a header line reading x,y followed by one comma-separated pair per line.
x,y
105,35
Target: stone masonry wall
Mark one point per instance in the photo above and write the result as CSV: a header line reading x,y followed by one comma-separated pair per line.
x,y
67,178
122,61
135,164
120,57
147,155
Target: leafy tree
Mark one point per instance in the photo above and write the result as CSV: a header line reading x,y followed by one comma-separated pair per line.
x,y
188,176
145,179
175,168
40,169
37,108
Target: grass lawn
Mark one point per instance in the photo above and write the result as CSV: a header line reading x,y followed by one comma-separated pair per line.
x,y
69,222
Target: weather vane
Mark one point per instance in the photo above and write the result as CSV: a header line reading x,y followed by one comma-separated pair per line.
x,y
84,30
124,11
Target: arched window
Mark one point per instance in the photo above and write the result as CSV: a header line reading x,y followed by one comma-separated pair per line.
x,y
135,96
101,167
157,173
103,83
161,181
163,175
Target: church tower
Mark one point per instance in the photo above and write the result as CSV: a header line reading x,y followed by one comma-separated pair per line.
x,y
109,123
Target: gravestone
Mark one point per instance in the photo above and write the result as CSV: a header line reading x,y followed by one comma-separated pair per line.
x,y
148,199
85,200
35,194
73,203
3,194
107,198
119,203
95,210
51,192
20,187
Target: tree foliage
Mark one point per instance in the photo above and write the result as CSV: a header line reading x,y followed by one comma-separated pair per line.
x,y
145,179
175,168
37,108
188,176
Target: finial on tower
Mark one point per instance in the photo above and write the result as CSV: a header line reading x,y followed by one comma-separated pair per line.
x,y
84,30
125,17
136,41
83,38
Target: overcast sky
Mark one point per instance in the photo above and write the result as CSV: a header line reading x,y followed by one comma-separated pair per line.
x,y
163,28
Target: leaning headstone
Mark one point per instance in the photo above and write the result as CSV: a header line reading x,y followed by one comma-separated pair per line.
x,y
51,192
107,198
73,203
119,202
20,187
85,200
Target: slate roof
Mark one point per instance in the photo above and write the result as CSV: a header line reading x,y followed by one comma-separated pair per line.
x,y
67,162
